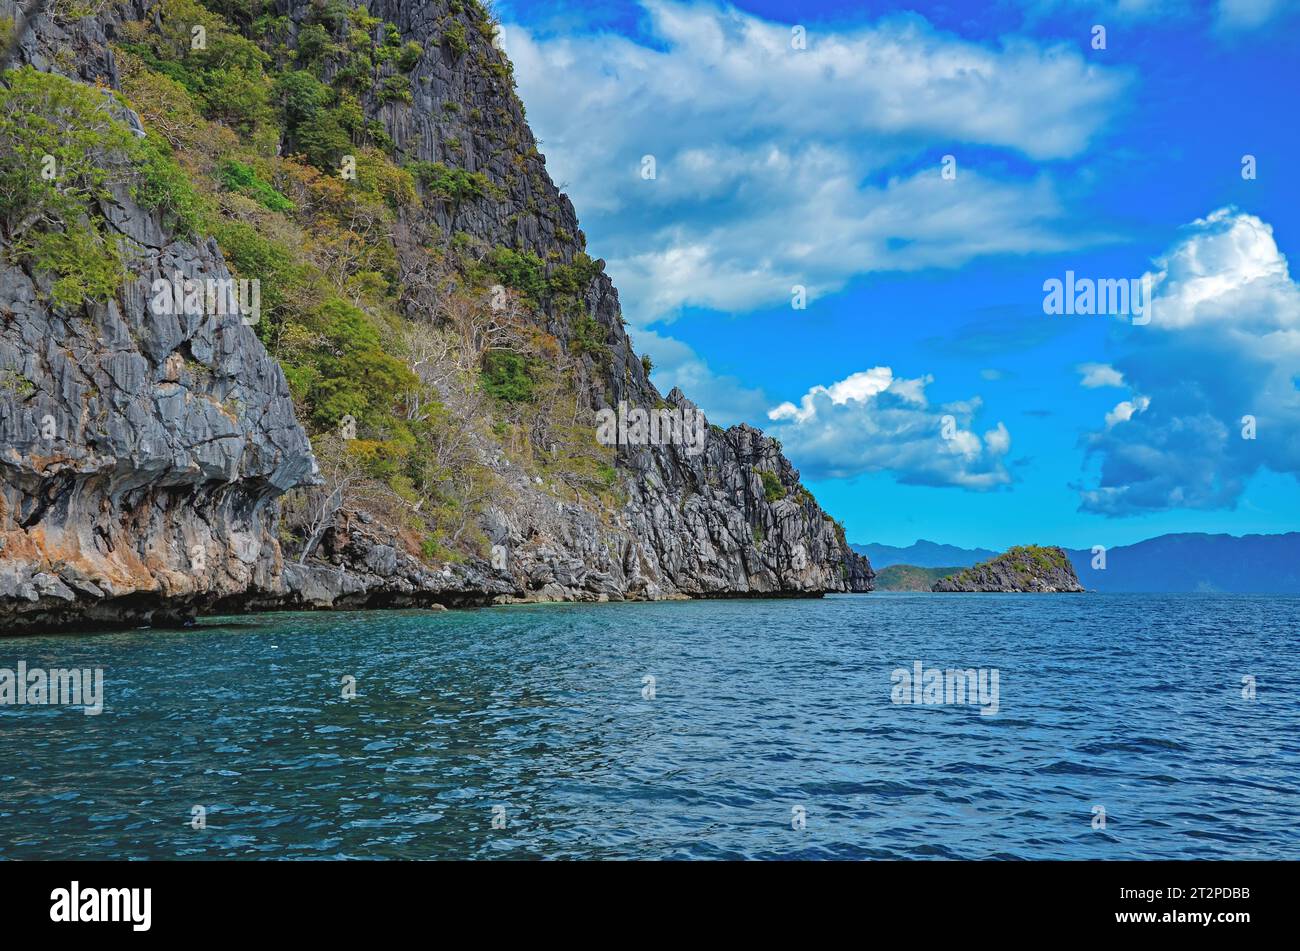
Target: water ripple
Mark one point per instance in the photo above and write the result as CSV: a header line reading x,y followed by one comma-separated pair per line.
x,y
523,732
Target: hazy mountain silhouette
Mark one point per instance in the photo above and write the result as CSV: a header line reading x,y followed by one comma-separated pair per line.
x,y
923,554
1191,561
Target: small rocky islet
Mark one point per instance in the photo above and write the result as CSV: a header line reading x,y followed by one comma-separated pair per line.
x,y
1023,569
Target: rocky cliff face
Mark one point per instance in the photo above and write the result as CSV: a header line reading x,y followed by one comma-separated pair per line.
x,y
154,494
693,526
141,454
1027,568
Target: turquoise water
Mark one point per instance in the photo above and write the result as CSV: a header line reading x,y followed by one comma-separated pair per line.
x,y
760,709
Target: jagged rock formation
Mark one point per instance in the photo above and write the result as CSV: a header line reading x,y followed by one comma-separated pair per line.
x,y
693,527
154,500
1026,568
132,488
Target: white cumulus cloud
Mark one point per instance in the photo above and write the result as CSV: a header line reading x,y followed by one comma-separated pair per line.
x,y
1222,349
777,166
874,421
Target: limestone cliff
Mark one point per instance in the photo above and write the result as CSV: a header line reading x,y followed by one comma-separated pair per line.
x,y
155,493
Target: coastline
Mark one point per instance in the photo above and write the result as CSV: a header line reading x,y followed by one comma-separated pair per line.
x,y
169,619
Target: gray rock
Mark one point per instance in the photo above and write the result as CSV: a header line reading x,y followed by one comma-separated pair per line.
x,y
174,435
140,454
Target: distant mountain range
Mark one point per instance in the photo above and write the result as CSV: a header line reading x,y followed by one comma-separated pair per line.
x,y
924,554
1176,563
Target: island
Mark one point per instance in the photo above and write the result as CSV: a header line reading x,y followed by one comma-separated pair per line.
x,y
1025,568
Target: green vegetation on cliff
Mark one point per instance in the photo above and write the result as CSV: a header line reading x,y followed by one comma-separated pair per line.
x,y
434,345
62,153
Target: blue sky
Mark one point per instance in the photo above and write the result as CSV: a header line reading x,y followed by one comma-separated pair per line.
x,y
923,391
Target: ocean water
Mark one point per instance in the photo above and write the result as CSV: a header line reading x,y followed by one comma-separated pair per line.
x,y
771,733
